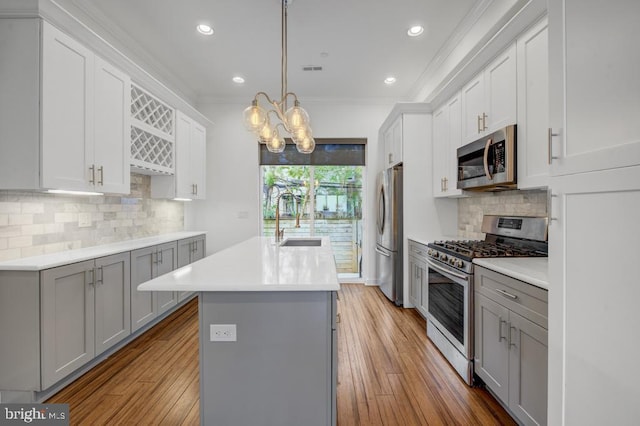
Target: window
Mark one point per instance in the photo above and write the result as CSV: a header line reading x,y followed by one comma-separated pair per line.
x,y
324,195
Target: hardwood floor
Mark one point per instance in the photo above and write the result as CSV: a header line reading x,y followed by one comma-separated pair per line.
x,y
389,373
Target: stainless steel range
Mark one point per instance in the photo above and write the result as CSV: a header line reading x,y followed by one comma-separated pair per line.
x,y
450,291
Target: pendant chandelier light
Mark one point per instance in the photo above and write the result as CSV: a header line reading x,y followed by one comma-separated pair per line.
x,y
294,121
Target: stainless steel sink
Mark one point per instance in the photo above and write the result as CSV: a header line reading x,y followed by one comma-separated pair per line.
x,y
301,242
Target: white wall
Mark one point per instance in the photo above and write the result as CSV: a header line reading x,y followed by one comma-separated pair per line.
x,y
424,218
231,212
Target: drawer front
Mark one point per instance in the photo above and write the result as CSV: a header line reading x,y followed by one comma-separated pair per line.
x,y
525,299
417,250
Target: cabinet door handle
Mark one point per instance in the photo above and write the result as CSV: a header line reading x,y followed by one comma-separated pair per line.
x,y
101,171
479,121
196,189
446,184
89,276
161,255
98,275
504,293
511,328
390,158
500,322
92,179
484,121
337,318
550,136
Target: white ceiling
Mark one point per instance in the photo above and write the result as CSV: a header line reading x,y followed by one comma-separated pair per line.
x,y
357,42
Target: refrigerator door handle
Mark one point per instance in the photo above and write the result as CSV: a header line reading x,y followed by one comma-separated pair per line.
x,y
382,253
381,210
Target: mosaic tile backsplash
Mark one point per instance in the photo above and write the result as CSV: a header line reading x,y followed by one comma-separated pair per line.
x,y
33,223
518,203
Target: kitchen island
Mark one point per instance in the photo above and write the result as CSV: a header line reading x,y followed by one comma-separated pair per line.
x,y
268,344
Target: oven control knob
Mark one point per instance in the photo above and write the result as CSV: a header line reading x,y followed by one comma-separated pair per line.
x,y
436,255
444,257
459,263
430,252
452,261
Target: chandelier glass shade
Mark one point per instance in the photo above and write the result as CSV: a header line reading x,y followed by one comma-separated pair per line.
x,y
294,120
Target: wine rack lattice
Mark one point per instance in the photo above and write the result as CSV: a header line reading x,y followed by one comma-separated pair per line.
x,y
152,133
151,152
151,111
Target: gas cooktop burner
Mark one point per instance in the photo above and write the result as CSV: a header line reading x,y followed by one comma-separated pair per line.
x,y
506,236
470,249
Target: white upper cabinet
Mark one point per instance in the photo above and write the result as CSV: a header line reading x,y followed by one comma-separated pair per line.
x,y
393,144
112,133
447,138
190,177
489,100
63,113
594,85
473,108
533,107
67,111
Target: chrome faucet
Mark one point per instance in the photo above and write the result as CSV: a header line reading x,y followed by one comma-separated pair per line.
x,y
280,232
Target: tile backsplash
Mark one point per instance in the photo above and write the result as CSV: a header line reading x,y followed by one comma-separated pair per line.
x,y
518,203
33,223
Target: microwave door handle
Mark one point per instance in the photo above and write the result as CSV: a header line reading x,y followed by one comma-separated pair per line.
x,y
486,159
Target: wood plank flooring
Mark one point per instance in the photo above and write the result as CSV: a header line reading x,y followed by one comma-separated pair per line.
x,y
389,373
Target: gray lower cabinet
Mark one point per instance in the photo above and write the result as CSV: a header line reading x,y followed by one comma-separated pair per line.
x,y
418,290
282,368
189,251
148,263
511,348
85,310
60,319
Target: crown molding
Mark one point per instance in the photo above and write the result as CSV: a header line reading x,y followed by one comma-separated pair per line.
x,y
446,50
401,108
65,15
474,45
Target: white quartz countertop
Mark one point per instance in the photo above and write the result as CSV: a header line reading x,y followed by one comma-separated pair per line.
x,y
532,270
46,261
257,264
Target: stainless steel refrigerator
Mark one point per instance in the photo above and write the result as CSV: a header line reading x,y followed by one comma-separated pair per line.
x,y
389,234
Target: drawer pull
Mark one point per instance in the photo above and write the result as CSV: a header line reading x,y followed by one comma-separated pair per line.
x,y
504,293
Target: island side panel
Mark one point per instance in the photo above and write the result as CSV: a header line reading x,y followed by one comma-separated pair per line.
x,y
279,371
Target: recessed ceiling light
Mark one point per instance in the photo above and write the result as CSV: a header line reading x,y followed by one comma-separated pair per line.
x,y
389,80
204,29
415,31
238,79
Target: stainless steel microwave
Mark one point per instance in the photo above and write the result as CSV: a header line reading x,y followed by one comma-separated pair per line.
x,y
489,163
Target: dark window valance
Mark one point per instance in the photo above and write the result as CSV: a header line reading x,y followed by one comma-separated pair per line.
x,y
328,152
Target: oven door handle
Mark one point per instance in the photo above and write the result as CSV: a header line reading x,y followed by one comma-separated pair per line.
x,y
486,159
446,271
